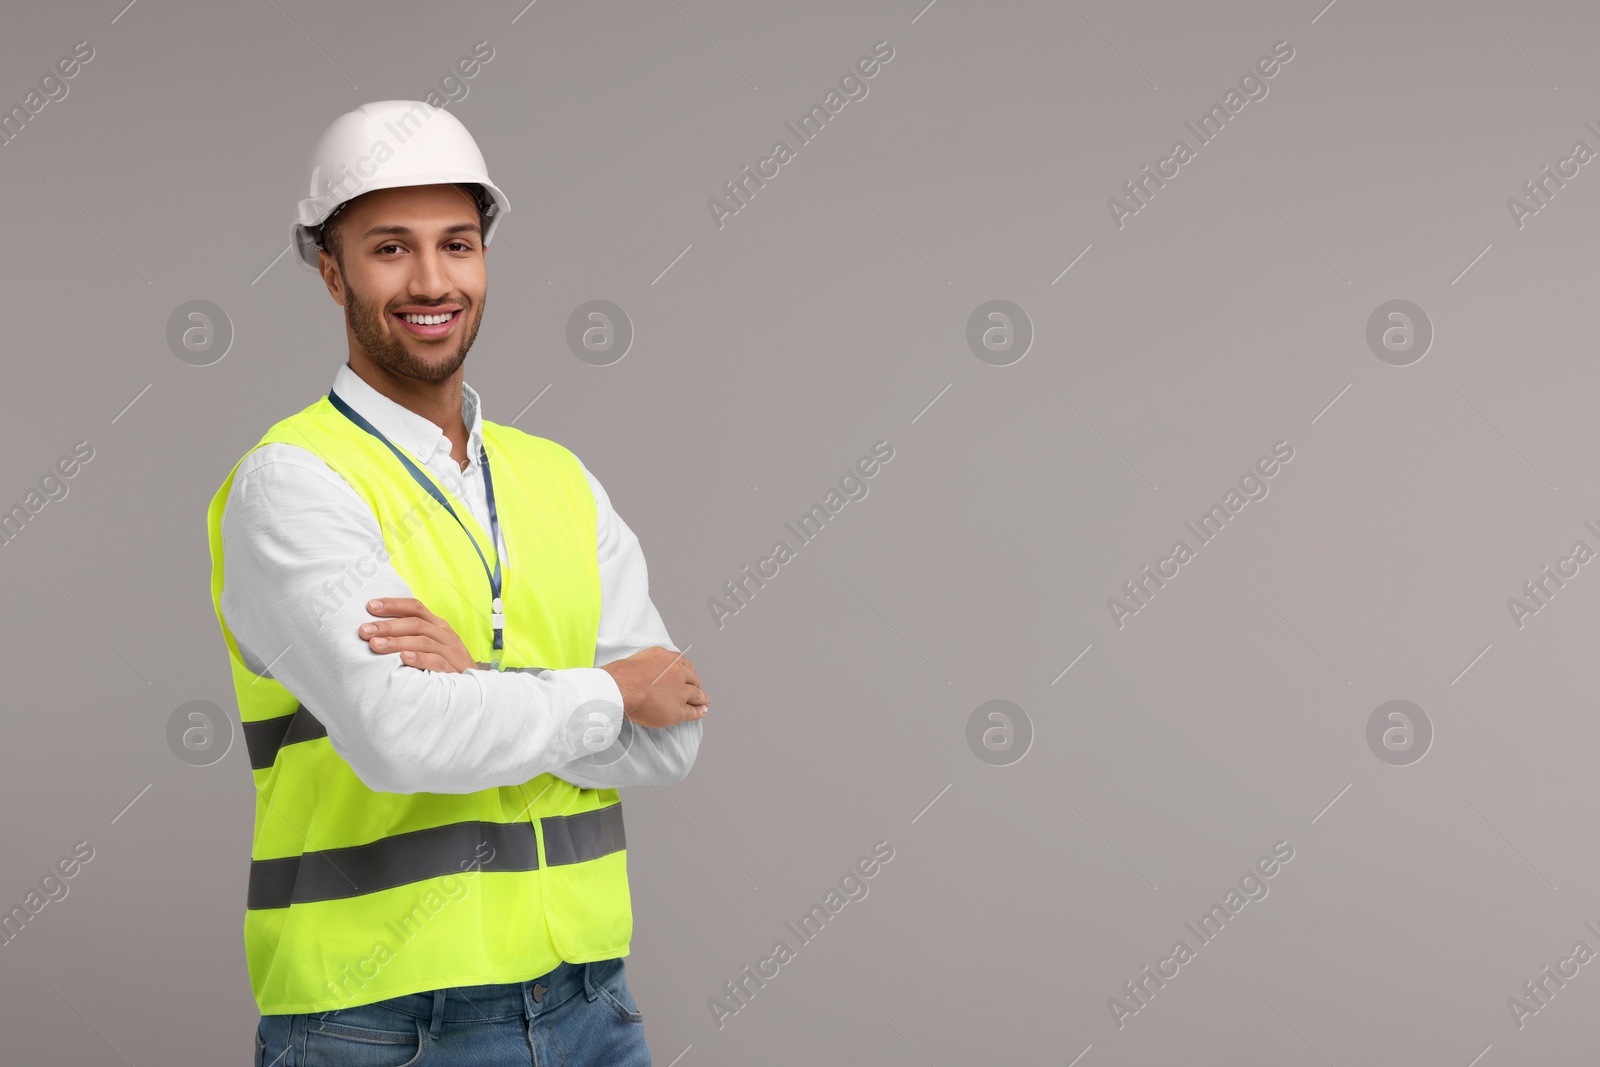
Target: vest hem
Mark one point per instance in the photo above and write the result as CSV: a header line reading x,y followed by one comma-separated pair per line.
x,y
425,986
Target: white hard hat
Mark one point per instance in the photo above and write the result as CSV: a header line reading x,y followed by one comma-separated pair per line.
x,y
385,145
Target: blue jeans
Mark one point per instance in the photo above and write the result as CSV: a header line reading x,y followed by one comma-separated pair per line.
x,y
579,1014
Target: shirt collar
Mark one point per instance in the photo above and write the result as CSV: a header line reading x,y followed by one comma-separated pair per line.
x,y
407,429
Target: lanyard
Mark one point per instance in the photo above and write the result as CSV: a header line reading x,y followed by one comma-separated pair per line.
x,y
497,616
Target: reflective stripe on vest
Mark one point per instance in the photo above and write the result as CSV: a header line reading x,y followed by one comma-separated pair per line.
x,y
432,853
357,895
264,737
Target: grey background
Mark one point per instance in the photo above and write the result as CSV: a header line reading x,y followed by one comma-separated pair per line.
x,y
827,315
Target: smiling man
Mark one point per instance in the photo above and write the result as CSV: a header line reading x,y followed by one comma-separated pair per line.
x,y
446,661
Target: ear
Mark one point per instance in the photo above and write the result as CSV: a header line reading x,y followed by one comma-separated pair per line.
x,y
331,276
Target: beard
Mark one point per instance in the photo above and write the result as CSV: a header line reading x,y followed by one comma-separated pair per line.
x,y
372,331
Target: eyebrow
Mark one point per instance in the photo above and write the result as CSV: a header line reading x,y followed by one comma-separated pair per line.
x,y
406,231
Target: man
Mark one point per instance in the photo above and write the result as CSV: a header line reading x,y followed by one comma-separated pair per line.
x,y
446,661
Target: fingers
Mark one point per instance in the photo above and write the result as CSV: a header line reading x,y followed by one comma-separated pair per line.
x,y
419,643
685,713
398,606
427,661
696,704
421,638
424,653
408,626
404,634
695,697
409,635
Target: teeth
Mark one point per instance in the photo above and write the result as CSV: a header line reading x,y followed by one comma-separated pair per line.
x,y
428,320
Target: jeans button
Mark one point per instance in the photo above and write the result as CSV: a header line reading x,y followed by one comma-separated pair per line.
x,y
539,990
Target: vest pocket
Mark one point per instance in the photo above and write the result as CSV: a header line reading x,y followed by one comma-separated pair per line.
x,y
588,908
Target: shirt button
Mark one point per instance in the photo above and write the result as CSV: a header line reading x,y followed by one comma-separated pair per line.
x,y
444,444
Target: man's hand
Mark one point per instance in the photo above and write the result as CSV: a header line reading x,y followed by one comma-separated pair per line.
x,y
423,640
659,687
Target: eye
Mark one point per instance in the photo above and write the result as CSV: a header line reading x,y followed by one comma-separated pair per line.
x,y
391,244
463,245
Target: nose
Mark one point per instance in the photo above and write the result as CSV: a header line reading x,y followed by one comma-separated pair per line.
x,y
428,280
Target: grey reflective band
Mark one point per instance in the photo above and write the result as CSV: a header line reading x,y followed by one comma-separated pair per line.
x,y
585,836
339,873
265,737
336,873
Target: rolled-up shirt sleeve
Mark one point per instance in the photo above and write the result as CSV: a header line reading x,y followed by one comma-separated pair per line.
x,y
629,623
302,556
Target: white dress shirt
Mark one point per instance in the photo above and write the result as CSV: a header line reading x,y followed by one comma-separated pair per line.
x,y
302,555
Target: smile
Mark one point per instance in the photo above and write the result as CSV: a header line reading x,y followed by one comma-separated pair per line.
x,y
437,324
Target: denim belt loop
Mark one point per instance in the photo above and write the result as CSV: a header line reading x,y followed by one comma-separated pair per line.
x,y
589,990
438,1014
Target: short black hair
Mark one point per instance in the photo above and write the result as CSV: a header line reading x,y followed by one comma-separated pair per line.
x,y
327,234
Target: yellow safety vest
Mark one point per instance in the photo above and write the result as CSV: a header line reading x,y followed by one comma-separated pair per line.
x,y
357,896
